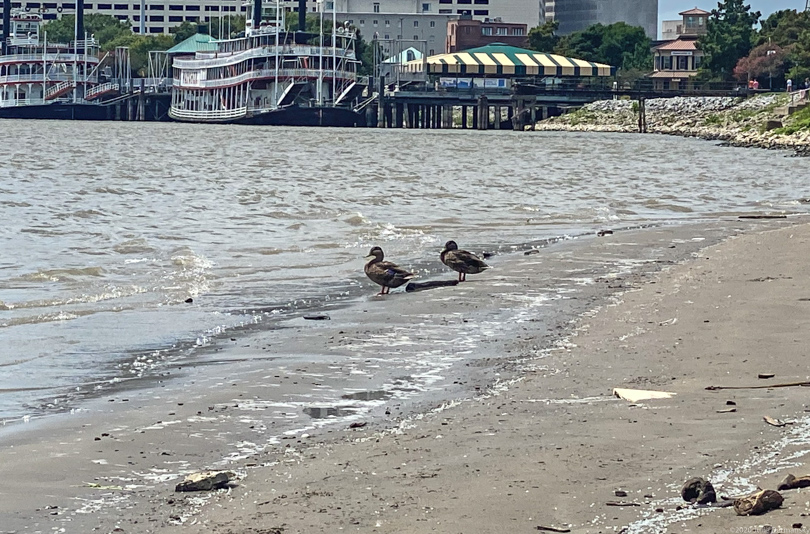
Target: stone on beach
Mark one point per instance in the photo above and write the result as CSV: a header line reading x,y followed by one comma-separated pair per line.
x,y
791,482
699,491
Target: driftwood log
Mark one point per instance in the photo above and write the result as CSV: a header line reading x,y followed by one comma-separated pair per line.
x,y
791,482
758,503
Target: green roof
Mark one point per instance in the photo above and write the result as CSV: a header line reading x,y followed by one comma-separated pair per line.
x,y
199,42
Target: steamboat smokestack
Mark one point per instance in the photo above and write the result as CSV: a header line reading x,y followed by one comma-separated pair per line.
x,y
79,20
6,23
302,15
257,14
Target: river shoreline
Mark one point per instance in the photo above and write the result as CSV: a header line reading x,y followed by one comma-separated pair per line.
x,y
528,411
757,122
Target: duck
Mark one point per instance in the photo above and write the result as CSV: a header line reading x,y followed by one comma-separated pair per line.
x,y
462,261
385,273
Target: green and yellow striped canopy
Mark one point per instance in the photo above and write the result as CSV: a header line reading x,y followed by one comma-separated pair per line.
x,y
504,60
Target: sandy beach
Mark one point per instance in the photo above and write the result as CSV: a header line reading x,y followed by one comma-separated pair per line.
x,y
526,433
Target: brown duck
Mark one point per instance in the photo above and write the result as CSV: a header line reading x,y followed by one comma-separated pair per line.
x,y
462,261
385,273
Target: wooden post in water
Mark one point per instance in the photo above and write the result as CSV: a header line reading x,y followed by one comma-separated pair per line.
x,y
483,112
498,113
463,117
141,103
642,115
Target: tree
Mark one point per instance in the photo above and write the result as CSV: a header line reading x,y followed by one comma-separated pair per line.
x,y
104,28
766,61
783,28
184,31
800,59
544,38
729,36
139,48
618,44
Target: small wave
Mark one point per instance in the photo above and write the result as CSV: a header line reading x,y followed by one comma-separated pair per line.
x,y
356,220
133,246
45,318
60,275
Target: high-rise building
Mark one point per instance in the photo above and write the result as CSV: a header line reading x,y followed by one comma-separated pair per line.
x,y
576,15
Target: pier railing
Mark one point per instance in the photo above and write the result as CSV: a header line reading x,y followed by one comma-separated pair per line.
x,y
266,74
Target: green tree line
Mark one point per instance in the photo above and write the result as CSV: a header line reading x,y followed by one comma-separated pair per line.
x,y
734,48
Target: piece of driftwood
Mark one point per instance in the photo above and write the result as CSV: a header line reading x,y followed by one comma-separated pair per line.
x,y
727,410
763,216
205,481
317,317
764,386
635,395
698,490
773,422
621,503
792,482
552,529
765,375
758,503
421,286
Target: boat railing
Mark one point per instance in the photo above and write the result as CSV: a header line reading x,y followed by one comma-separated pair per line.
x,y
208,115
205,60
267,74
98,90
59,89
49,58
36,77
21,102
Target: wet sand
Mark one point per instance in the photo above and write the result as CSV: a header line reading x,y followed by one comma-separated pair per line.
x,y
523,430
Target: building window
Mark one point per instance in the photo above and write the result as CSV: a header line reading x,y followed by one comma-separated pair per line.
x,y
157,7
48,5
156,18
32,5
192,19
486,30
157,29
445,11
387,36
64,6
362,22
121,7
683,63
666,62
50,16
192,8
175,7
376,7
104,6
432,23
501,31
431,52
415,37
387,23
136,18
482,2
464,11
698,61
445,1
175,18
425,8
481,12
464,1
121,17
207,8
416,24
517,31
374,22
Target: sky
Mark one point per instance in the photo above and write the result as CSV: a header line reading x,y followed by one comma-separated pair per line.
x,y
669,9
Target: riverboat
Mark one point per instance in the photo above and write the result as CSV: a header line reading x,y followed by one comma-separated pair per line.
x,y
271,76
44,80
